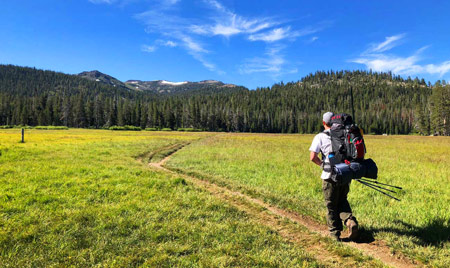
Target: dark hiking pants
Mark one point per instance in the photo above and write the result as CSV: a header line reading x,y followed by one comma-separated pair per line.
x,y
337,204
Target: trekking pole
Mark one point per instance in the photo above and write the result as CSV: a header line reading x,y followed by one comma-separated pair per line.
x,y
378,190
379,187
366,180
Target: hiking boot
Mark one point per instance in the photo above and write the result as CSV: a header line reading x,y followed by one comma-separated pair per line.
x,y
352,226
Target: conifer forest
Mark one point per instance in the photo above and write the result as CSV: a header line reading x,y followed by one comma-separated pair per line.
x,y
383,103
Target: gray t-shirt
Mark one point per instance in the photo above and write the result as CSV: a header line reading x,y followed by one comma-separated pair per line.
x,y
322,143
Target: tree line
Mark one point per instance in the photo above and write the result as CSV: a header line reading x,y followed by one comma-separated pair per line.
x,y
383,103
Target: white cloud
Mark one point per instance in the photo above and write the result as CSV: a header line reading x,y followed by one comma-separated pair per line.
x,y
217,5
170,44
310,30
403,65
398,65
159,21
102,1
273,35
170,2
192,45
228,23
225,30
199,29
440,69
165,43
389,43
147,48
409,65
286,33
157,44
273,63
231,25
196,50
193,34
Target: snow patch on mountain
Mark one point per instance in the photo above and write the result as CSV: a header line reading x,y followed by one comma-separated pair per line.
x,y
173,83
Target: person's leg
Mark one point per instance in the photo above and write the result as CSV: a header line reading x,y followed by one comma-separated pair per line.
x,y
345,212
331,196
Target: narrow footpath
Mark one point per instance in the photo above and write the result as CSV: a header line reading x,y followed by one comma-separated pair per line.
x,y
306,232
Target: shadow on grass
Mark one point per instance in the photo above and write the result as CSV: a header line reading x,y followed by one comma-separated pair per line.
x,y
435,233
365,237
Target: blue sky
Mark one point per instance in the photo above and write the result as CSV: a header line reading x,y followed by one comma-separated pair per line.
x,y
250,43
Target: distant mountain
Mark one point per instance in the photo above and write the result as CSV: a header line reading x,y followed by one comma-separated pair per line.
x,y
162,87
103,78
170,88
25,81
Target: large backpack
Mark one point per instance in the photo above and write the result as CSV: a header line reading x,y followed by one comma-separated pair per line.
x,y
347,142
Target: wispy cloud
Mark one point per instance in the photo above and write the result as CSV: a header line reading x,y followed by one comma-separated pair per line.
x,y
195,35
165,3
403,65
311,30
157,44
192,45
102,1
170,2
227,23
286,33
159,21
198,52
389,43
375,59
313,39
147,48
169,44
231,26
273,63
273,35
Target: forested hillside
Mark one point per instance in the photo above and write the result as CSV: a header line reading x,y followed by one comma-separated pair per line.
x,y
383,104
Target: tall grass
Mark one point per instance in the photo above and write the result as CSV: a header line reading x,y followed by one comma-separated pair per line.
x,y
79,198
276,168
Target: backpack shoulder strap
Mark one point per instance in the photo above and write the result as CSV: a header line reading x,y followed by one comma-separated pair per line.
x,y
329,135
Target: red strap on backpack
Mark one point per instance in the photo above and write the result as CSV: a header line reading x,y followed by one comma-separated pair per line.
x,y
359,145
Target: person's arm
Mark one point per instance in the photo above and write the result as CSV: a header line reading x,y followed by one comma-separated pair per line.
x,y
314,157
314,151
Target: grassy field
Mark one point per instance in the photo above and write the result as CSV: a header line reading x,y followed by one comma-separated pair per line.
x,y
276,168
79,198
82,198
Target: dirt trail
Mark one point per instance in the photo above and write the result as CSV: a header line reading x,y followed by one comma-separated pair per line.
x,y
271,215
164,160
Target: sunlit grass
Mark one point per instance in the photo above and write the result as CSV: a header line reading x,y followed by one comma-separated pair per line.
x,y
277,169
79,198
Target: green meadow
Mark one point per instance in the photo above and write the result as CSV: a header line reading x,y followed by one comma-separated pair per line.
x,y
85,198
276,168
79,198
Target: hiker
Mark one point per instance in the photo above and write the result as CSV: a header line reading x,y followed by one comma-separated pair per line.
x,y
335,194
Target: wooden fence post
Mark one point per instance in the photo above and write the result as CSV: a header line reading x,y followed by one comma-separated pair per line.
x,y
23,135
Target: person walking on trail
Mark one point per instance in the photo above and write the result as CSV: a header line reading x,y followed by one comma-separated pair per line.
x,y
335,194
